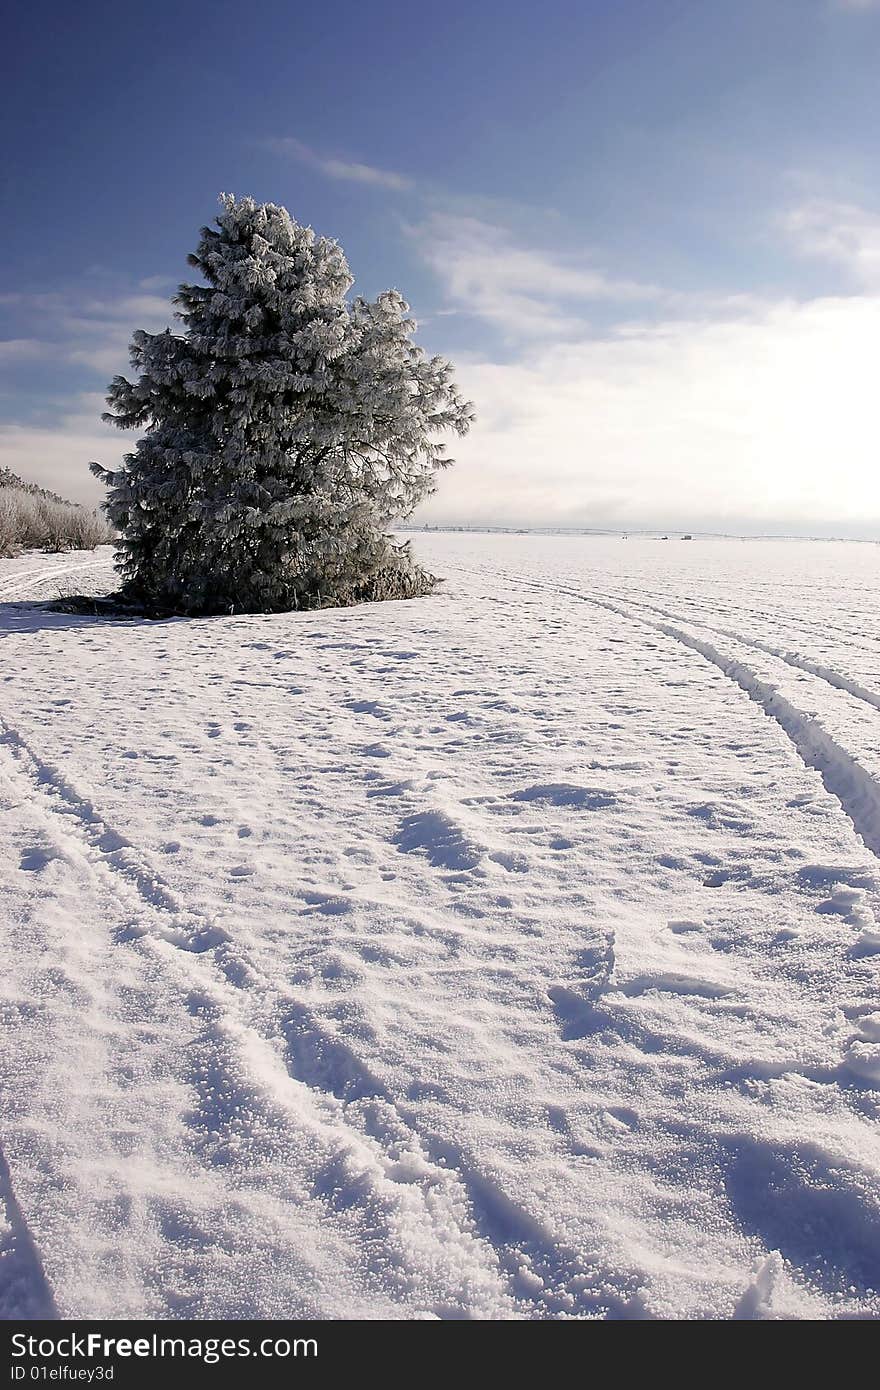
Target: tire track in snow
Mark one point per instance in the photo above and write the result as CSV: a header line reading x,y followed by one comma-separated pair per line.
x,y
350,1110
852,785
108,1053
857,792
814,668
381,1167
26,1293
531,1258
190,931
847,635
24,580
742,613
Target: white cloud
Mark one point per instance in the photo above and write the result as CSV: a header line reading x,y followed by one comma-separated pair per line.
x,y
856,4
739,414
524,292
21,349
735,412
88,326
843,233
57,457
766,422
84,326
344,169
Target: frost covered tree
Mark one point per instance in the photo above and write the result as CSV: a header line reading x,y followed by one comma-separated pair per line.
x,y
286,428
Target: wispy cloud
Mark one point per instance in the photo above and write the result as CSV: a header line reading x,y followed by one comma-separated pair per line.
x,y
80,338
14,350
843,233
57,456
739,411
765,422
87,325
855,4
345,169
743,411
523,291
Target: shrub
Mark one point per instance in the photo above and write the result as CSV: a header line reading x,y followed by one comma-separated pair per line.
x,y
31,519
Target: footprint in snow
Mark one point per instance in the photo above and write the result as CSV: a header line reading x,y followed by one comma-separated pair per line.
x,y
720,877
575,1006
669,982
849,903
366,707
566,794
376,750
33,861
439,839
327,904
111,841
720,817
817,1209
513,863
576,1014
862,1057
671,861
833,875
622,1117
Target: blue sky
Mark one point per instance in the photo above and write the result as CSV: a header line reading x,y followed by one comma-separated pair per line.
x,y
647,231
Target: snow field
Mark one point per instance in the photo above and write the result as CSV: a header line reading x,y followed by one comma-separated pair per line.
x,y
509,953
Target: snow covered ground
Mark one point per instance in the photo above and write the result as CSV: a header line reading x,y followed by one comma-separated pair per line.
x,y
506,954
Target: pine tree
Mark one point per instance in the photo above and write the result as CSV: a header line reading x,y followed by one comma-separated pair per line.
x,y
286,429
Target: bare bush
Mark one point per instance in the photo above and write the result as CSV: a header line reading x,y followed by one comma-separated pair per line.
x,y
8,523
55,525
31,521
29,530
89,529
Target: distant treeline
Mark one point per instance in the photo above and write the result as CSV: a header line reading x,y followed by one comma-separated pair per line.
x,y
32,518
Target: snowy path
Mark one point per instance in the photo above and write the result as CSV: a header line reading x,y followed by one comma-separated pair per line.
x,y
512,953
21,579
